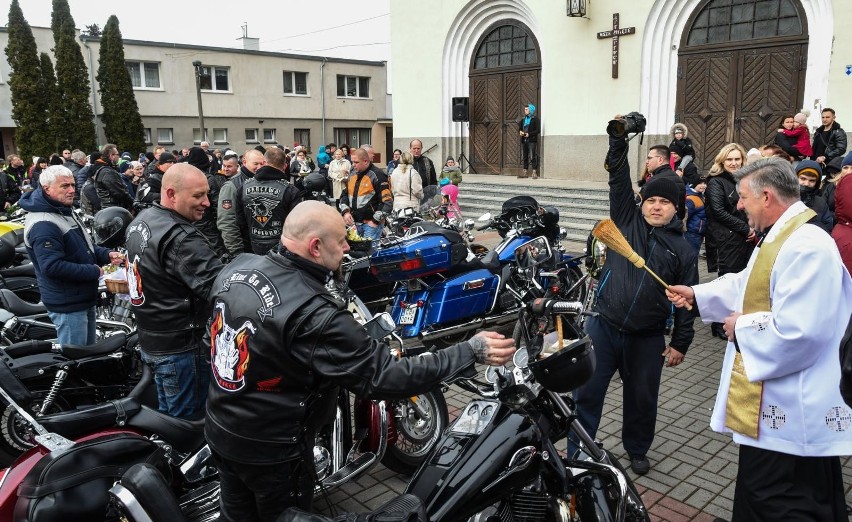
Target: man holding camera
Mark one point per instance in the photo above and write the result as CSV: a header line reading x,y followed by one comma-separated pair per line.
x,y
629,331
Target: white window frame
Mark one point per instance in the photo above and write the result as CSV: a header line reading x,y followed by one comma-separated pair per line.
x,y
197,132
357,80
293,83
212,70
171,136
273,136
141,65
148,136
251,140
224,136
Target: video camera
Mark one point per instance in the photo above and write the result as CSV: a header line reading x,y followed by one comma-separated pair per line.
x,y
632,123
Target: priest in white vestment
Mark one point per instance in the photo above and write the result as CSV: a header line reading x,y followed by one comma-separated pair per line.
x,y
778,394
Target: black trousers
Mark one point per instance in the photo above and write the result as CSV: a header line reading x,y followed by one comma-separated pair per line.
x,y
530,148
261,492
774,486
639,360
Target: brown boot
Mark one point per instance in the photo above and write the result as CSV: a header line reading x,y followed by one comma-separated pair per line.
x,y
523,174
534,174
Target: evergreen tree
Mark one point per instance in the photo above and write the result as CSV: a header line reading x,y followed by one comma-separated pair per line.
x,y
61,21
28,105
122,122
53,128
72,80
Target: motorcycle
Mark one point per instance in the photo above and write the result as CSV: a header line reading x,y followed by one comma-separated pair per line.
x,y
79,455
17,273
400,433
445,292
499,458
60,378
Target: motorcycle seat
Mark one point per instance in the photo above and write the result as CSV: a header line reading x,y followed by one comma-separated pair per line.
x,y
27,269
71,424
490,262
102,347
10,301
185,436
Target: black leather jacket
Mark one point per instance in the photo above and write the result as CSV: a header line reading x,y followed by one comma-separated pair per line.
x,y
628,298
281,346
727,227
111,189
266,201
171,273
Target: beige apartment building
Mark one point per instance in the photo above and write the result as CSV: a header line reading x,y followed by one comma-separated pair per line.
x,y
248,96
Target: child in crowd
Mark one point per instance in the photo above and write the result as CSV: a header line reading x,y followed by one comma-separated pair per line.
x,y
450,195
795,129
680,137
696,217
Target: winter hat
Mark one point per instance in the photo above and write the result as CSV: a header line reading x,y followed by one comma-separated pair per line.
x,y
810,168
126,156
846,161
753,155
449,158
167,157
662,187
150,156
833,167
677,149
198,158
801,118
230,154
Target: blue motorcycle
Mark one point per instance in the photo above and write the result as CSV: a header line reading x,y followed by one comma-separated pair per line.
x,y
445,293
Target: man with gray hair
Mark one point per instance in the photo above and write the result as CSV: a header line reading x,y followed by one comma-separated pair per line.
x,y
66,261
778,393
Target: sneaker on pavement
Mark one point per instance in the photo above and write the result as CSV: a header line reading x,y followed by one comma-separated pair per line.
x,y
639,464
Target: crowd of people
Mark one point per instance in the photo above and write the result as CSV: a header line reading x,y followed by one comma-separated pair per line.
x,y
217,237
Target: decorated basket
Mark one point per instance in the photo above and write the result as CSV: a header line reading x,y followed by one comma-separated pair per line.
x,y
117,286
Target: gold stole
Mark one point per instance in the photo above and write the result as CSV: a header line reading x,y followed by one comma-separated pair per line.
x,y
742,412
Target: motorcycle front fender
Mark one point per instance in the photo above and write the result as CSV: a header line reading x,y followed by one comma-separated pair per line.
x,y
469,470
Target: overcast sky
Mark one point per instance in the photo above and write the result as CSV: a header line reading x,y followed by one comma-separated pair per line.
x,y
338,28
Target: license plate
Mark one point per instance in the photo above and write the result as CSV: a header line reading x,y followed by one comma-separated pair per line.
x,y
408,315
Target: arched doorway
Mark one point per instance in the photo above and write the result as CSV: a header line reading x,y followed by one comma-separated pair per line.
x,y
505,75
741,67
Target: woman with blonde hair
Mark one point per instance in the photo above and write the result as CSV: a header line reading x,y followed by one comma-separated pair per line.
x,y
406,185
727,228
338,173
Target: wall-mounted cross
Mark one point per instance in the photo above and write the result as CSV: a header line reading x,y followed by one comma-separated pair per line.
x,y
614,34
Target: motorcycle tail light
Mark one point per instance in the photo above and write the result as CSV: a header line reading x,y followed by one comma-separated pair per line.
x,y
420,304
554,289
411,264
403,305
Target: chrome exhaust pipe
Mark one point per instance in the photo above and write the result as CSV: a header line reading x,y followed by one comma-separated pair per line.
x,y
452,330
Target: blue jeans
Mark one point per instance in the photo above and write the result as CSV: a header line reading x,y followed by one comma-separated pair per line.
x,y
76,328
368,232
182,381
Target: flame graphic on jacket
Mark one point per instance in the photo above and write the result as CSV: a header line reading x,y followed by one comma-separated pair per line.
x,y
134,283
229,351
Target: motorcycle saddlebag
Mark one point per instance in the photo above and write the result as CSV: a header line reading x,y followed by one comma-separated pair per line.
x,y
432,250
73,485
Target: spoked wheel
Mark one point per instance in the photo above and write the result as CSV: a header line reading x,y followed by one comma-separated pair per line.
x,y
419,423
16,430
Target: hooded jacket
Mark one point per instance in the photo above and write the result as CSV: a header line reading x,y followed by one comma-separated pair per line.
x,y
110,187
629,299
65,258
685,143
199,159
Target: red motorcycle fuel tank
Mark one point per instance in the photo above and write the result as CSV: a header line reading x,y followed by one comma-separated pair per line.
x,y
489,452
14,475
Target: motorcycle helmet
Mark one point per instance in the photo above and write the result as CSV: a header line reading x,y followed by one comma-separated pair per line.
x,y
314,182
567,369
110,224
8,242
550,216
